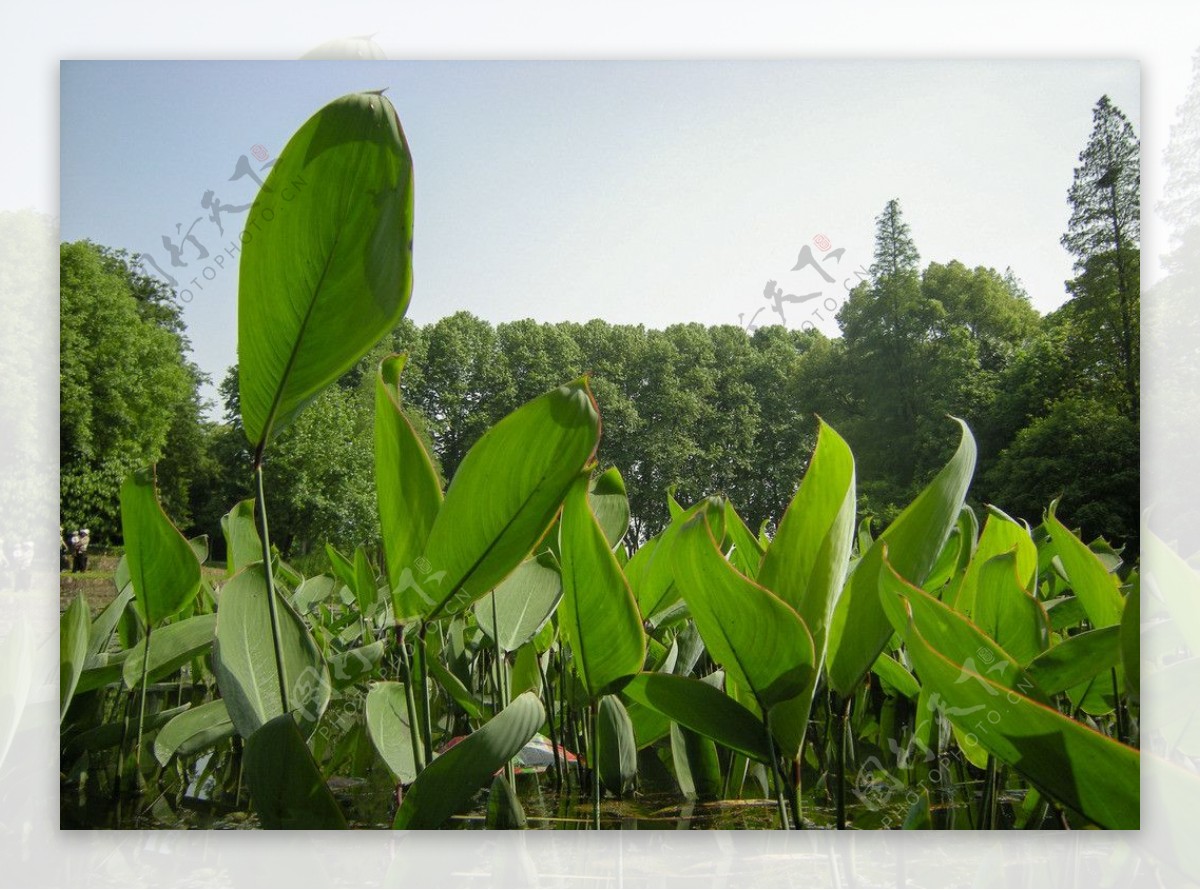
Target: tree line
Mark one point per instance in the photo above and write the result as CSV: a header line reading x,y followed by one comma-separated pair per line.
x,y
1053,400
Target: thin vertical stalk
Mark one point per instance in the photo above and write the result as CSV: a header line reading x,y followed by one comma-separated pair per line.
x,y
548,697
594,760
1122,732
796,802
409,702
137,759
235,749
843,732
510,774
997,787
422,654
264,535
128,700
567,717
777,775
985,799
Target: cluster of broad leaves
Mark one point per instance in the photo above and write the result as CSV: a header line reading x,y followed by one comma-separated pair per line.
x,y
510,604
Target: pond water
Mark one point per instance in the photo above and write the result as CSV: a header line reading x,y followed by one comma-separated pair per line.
x,y
210,795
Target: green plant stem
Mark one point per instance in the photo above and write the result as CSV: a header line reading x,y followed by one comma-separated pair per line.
x,y
797,804
997,787
137,758
510,774
777,775
128,700
410,704
548,697
1122,732
842,731
595,761
567,718
264,534
422,655
985,801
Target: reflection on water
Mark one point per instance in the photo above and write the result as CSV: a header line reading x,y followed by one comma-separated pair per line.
x,y
210,794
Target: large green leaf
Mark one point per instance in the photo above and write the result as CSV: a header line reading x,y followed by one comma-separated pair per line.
x,y
106,622
326,264
1094,586
243,546
649,725
859,628
504,497
757,637
73,628
407,487
599,616
896,675
446,785
114,733
247,674
948,561
457,690
617,749
526,672
747,552
195,730
524,602
200,546
610,503
1000,535
388,727
697,765
805,565
349,667
1065,613
957,638
101,669
314,591
651,571
1083,769
171,647
504,810
343,568
703,708
286,786
163,567
1006,613
1077,659
366,591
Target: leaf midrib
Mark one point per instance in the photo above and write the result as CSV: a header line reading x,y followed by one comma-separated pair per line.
x,y
295,351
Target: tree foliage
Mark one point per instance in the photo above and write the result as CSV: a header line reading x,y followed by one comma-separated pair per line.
x,y
129,396
1070,400
919,346
1104,236
691,409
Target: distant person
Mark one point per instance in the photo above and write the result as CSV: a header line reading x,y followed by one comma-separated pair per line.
x,y
64,552
81,550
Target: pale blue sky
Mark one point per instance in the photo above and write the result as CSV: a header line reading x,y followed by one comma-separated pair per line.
x,y
635,192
